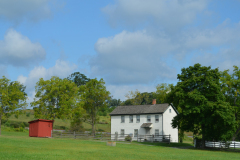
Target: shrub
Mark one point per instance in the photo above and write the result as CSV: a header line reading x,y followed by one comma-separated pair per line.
x,y
7,124
28,114
128,138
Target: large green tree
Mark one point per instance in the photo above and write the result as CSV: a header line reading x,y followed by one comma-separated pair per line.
x,y
78,78
12,97
56,98
230,88
204,110
94,97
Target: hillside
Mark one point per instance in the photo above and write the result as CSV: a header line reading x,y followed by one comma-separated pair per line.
x,y
62,124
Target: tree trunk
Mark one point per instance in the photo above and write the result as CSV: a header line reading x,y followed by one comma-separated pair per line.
x,y
203,137
93,128
181,135
0,122
235,135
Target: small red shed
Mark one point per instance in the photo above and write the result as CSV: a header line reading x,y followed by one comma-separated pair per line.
x,y
40,128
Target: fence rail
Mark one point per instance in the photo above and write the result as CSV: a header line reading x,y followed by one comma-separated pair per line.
x,y
226,145
112,137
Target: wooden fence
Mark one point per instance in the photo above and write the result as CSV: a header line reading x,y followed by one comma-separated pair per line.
x,y
112,137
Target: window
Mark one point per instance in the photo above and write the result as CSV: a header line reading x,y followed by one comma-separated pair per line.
x,y
156,118
122,119
138,118
135,132
148,118
169,110
130,119
122,132
156,132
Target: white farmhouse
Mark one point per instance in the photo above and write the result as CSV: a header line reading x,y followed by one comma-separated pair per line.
x,y
139,120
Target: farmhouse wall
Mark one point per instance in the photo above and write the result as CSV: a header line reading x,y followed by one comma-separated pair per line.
x,y
116,125
167,127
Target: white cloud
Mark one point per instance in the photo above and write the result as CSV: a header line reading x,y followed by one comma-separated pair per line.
x,y
19,10
18,50
132,58
142,57
165,13
61,69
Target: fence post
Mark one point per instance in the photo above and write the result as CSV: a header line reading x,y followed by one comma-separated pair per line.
x,y
234,145
74,135
101,136
51,133
61,135
137,137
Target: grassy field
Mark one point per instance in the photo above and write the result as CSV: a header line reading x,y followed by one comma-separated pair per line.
x,y
15,145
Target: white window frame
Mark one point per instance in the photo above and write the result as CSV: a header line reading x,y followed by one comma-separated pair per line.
x,y
135,132
130,118
156,118
137,120
122,119
170,111
148,119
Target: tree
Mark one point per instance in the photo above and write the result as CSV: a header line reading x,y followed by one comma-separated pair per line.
x,y
204,110
230,88
161,93
78,78
137,98
12,98
94,97
56,98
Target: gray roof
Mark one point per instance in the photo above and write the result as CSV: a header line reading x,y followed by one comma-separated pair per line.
x,y
140,109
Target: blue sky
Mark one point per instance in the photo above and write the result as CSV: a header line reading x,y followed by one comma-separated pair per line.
x,y
131,44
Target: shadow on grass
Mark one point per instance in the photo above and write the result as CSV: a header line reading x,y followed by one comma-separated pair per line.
x,y
177,145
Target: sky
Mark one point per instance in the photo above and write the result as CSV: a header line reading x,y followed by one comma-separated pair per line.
x,y
131,44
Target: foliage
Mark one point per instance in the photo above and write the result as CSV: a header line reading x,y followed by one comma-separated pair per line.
x,y
161,93
12,98
230,88
137,98
111,105
204,110
56,98
94,97
28,114
78,78
128,138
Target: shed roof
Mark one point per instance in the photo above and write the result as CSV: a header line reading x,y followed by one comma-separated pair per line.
x,y
43,120
140,109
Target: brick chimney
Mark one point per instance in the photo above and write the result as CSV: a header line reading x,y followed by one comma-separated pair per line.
x,y
154,101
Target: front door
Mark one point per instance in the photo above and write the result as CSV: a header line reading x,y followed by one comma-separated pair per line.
x,y
147,131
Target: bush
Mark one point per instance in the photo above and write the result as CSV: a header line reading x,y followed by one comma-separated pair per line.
x,y
7,124
28,114
128,138
100,130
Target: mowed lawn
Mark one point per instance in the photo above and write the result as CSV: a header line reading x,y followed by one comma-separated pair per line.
x,y
16,145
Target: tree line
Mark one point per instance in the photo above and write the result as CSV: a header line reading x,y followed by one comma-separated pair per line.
x,y
76,97
208,100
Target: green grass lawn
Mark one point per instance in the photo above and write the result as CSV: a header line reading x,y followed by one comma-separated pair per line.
x,y
15,145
